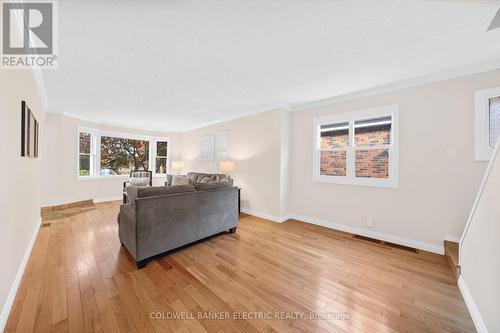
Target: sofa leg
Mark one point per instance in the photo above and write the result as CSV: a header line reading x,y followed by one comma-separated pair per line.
x,y
141,264
232,230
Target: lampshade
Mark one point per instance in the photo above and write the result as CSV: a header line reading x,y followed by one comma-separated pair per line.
x,y
178,165
227,166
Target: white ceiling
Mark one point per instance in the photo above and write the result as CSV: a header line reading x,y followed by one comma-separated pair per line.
x,y
179,64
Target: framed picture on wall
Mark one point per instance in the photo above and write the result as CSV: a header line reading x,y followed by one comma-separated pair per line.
x,y
29,132
207,150
221,146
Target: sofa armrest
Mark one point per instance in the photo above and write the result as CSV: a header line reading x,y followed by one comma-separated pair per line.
x,y
127,228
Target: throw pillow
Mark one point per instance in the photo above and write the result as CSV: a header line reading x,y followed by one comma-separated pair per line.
x,y
225,179
180,180
139,181
210,179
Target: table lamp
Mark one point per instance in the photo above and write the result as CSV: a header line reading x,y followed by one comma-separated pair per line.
x,y
178,166
227,166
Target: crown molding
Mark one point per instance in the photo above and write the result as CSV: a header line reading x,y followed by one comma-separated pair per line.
x,y
108,123
400,85
405,84
244,115
115,124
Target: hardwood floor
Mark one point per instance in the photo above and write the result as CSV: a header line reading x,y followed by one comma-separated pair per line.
x,y
79,279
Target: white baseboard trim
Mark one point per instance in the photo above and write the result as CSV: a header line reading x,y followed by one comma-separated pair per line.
x,y
107,199
7,307
273,218
471,306
424,246
452,238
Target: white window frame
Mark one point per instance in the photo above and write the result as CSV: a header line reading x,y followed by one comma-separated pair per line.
x,y
92,155
483,151
351,117
153,155
95,159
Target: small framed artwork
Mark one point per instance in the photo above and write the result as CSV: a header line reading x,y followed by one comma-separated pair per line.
x,y
221,146
29,132
207,150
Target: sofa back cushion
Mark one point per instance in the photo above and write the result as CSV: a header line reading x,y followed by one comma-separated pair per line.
x,y
164,190
132,190
211,186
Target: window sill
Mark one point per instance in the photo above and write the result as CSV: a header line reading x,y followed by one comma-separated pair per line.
x,y
114,177
102,177
159,176
371,182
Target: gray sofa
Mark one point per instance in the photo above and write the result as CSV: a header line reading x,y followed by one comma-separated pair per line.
x,y
164,218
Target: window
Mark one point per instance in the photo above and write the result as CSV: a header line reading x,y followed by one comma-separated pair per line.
x,y
161,157
120,156
494,121
107,154
357,148
487,122
84,154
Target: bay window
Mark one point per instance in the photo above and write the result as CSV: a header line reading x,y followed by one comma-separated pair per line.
x,y
108,154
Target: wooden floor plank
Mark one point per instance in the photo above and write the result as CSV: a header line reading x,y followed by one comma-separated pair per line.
x,y
79,279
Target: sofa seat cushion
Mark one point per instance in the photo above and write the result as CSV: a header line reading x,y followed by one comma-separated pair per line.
x,y
164,190
211,186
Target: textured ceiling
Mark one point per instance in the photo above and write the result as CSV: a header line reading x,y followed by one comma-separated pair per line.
x,y
175,65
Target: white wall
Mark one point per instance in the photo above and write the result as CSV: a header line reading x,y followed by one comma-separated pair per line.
x,y
19,198
434,195
480,267
60,184
274,168
255,144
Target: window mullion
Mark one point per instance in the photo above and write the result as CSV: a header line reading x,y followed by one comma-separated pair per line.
x,y
152,155
96,153
377,147
351,158
324,149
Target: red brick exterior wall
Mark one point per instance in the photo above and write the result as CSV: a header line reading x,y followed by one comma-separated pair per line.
x,y
369,163
372,136
333,163
335,139
372,163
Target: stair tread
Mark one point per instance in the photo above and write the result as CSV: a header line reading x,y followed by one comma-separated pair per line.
x,y
451,250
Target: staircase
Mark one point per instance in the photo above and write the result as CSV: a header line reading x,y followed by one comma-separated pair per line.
x,y
478,252
451,253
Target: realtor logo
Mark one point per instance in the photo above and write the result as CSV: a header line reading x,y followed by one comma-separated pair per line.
x,y
28,34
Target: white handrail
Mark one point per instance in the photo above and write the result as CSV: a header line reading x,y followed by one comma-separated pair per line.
x,y
478,196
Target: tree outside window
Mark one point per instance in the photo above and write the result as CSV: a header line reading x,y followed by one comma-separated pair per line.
x,y
120,156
